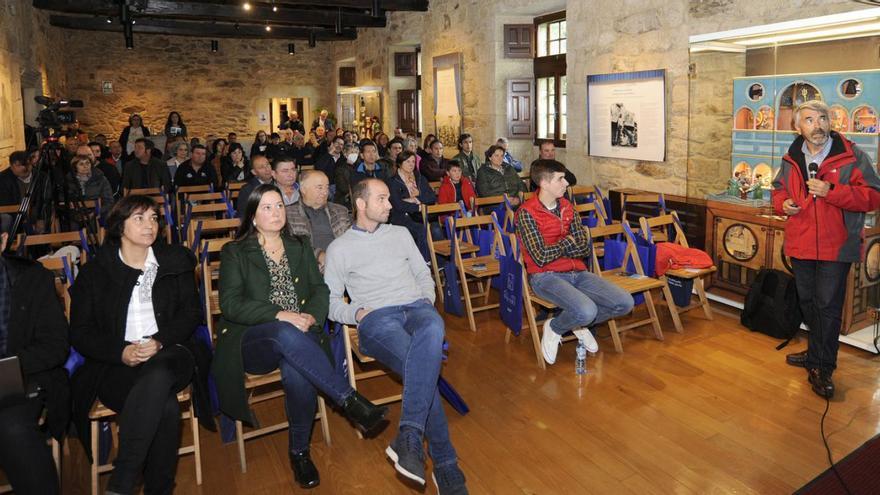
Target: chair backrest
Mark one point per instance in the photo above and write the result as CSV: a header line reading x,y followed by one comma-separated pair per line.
x,y
148,191
435,185
208,210
75,238
206,197
199,230
62,267
209,274
462,229
602,234
488,201
581,194
235,186
646,199
664,221
584,209
204,188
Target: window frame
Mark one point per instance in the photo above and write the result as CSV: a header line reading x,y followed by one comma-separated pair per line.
x,y
550,66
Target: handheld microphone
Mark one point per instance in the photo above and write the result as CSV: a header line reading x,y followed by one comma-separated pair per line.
x,y
813,169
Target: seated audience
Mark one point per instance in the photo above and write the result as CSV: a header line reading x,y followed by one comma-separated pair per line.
x,y
388,162
295,124
328,162
344,171
101,139
131,133
370,166
409,189
236,167
274,303
323,121
547,151
497,177
34,329
456,187
466,157
554,245
99,161
262,175
174,126
284,173
196,171
232,138
508,159
381,139
85,183
433,166
179,154
219,151
425,150
261,144
392,304
274,138
134,310
303,153
410,144
314,218
117,157
145,171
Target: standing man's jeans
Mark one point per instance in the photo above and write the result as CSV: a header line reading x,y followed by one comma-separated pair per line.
x,y
585,298
304,367
821,287
409,340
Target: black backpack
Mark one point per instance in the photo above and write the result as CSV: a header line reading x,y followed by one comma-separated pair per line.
x,y
772,306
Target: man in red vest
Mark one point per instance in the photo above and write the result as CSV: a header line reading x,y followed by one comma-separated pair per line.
x,y
825,185
555,244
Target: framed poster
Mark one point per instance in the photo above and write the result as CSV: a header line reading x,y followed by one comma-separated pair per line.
x,y
447,98
626,115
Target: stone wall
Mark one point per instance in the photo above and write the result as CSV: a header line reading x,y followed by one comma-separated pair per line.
x,y
215,93
31,62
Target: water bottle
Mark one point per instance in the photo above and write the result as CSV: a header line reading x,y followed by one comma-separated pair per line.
x,y
580,363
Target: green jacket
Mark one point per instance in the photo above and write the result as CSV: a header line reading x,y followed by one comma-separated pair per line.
x,y
244,301
491,182
470,165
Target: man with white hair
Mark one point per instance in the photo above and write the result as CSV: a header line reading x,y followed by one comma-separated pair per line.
x,y
314,217
323,121
825,185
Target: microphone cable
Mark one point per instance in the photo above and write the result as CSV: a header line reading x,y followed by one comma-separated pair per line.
x,y
818,318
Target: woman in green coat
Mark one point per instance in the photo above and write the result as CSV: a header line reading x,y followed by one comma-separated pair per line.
x,y
274,303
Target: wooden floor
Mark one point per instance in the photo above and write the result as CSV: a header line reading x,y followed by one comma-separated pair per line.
x,y
713,410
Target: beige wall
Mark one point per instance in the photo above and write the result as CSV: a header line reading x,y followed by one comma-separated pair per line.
x,y
829,56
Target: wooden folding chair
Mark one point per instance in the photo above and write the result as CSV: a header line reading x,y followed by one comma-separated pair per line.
x,y
530,300
441,247
698,275
435,185
181,192
199,230
148,191
208,275
233,189
637,283
655,201
62,267
56,240
353,353
260,388
484,205
479,269
582,194
100,413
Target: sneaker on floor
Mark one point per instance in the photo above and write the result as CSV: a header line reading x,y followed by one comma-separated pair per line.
x,y
550,343
449,480
408,455
586,336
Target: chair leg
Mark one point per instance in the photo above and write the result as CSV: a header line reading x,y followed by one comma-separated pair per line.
x,y
615,335
487,287
197,450
533,330
437,279
467,300
673,309
349,359
56,456
655,321
701,291
325,425
93,433
239,440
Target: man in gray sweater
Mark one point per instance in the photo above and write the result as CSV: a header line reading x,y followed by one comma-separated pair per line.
x,y
392,303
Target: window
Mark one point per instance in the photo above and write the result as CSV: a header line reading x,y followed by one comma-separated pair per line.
x,y
550,79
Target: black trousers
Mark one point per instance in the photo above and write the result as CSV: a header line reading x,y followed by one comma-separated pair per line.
x,y
145,398
821,287
25,456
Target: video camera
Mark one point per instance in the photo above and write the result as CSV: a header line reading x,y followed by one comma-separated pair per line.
x,y
52,117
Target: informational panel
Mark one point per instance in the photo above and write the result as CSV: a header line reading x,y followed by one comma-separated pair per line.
x,y
447,98
626,115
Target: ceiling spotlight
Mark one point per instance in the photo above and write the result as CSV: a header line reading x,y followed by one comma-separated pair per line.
x,y
109,20
290,49
268,28
133,21
312,39
246,6
274,8
215,45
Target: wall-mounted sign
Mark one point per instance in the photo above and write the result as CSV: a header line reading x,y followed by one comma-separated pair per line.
x,y
264,118
107,87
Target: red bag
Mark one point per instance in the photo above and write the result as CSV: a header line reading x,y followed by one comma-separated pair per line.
x,y
674,256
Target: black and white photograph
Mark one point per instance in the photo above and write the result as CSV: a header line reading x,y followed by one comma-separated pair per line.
x,y
624,128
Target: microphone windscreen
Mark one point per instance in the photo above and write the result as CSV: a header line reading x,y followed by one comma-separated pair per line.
x,y
813,168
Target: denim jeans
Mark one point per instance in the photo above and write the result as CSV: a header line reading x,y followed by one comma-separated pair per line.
x,y
585,298
305,369
408,339
821,287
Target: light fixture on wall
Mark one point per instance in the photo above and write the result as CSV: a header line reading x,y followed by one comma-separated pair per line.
x,y
246,6
338,26
291,49
313,40
274,7
215,45
268,28
376,8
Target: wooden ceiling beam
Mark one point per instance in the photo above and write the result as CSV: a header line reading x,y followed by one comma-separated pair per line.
x,y
202,29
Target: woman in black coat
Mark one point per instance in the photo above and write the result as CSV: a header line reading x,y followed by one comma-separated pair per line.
x,y
134,309
134,130
409,190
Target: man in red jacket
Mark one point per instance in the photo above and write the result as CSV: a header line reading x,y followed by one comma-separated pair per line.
x,y
554,245
823,233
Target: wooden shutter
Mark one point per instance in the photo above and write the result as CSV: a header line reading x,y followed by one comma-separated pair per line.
x,y
404,64
406,110
347,76
520,108
518,40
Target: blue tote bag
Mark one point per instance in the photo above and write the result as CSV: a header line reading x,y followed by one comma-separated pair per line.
x,y
511,303
452,303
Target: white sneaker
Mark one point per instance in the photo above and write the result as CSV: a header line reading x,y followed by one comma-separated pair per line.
x,y
550,343
586,336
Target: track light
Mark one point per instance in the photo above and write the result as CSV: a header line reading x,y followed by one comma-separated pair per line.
x,y
291,49
215,45
246,6
338,26
313,41
268,28
109,20
133,22
376,9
